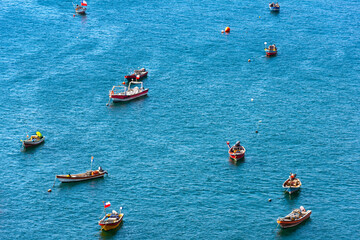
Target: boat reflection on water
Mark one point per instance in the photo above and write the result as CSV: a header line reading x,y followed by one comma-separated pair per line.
x,y
236,162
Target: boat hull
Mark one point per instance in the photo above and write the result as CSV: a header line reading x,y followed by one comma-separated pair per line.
x,y
270,53
65,179
237,156
110,226
288,224
29,143
124,98
274,9
291,189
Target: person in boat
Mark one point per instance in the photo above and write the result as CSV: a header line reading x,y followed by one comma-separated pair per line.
x,y
78,7
236,147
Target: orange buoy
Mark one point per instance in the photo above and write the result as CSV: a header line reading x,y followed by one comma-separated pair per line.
x,y
222,31
123,83
249,60
74,15
227,29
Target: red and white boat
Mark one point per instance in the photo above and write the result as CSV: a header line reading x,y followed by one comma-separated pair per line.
x,y
296,217
237,151
137,75
123,93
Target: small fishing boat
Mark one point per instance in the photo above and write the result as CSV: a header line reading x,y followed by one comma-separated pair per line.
x,y
123,94
292,184
111,220
80,9
271,50
274,7
137,75
33,140
296,217
237,151
82,176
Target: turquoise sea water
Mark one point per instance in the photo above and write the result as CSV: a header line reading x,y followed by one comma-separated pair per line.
x,y
166,154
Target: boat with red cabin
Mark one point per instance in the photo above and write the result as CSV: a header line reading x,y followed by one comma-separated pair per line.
x,y
271,50
237,151
123,93
294,218
137,75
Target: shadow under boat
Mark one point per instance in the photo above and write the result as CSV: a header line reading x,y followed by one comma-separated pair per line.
x,y
236,162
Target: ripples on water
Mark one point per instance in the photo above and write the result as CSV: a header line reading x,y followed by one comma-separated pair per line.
x,y
166,154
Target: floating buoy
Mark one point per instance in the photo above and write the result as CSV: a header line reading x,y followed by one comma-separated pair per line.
x,y
256,131
74,15
49,190
252,99
269,200
249,60
123,83
259,16
227,29
222,31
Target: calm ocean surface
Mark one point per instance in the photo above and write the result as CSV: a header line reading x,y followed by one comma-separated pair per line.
x,y
166,154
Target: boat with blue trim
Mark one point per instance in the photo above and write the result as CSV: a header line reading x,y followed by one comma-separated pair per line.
x,y
292,184
274,7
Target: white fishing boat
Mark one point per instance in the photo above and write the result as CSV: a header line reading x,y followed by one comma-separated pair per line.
x,y
123,93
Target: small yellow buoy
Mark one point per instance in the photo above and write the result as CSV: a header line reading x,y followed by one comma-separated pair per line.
x,y
49,190
259,16
227,29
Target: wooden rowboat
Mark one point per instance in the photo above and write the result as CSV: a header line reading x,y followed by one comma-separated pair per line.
x,y
34,140
296,217
292,184
111,220
82,176
237,151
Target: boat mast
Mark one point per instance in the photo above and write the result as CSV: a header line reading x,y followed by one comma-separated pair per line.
x,y
92,158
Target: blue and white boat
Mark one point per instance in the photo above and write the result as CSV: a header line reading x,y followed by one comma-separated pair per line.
x,y
274,7
292,184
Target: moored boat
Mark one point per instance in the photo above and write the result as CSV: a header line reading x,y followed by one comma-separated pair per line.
x,y
111,220
80,9
33,140
271,50
237,151
292,184
296,217
82,176
274,7
137,75
123,94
